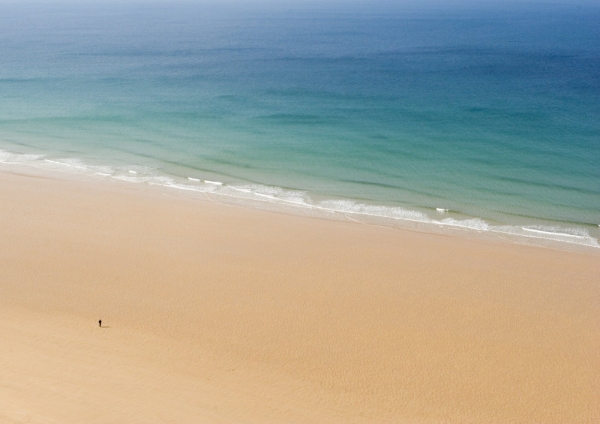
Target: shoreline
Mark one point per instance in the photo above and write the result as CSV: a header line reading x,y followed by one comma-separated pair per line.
x,y
217,313
537,232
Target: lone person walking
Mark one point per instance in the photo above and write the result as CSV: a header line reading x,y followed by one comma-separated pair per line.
x,y
99,323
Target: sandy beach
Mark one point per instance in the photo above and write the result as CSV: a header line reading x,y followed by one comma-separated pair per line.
x,y
222,314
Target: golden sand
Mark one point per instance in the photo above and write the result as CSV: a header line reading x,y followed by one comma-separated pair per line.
x,y
219,314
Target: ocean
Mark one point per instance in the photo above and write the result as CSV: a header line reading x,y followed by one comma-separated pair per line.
x,y
479,119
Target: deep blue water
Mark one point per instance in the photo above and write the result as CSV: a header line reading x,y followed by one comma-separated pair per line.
x,y
489,114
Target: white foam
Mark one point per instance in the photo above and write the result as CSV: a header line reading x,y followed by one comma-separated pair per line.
x,y
128,179
349,207
577,236
554,233
345,209
68,163
471,224
17,158
188,187
158,180
242,190
390,212
71,165
266,195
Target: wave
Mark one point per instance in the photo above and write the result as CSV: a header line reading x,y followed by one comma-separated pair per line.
x,y
300,200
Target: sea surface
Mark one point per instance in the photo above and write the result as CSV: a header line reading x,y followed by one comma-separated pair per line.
x,y
455,117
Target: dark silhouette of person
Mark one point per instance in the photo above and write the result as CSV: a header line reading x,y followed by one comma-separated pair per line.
x,y
100,323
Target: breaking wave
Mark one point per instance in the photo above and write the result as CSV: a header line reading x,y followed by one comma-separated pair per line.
x,y
300,200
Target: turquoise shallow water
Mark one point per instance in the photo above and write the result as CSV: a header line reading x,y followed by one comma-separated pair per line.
x,y
458,117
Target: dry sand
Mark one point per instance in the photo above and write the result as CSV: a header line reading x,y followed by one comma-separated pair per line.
x,y
221,314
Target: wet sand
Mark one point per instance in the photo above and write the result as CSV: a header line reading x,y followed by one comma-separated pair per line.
x,y
219,314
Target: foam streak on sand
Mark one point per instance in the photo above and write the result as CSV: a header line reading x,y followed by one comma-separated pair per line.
x,y
216,313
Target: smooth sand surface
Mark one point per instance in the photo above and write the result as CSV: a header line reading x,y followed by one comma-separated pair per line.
x,y
218,314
